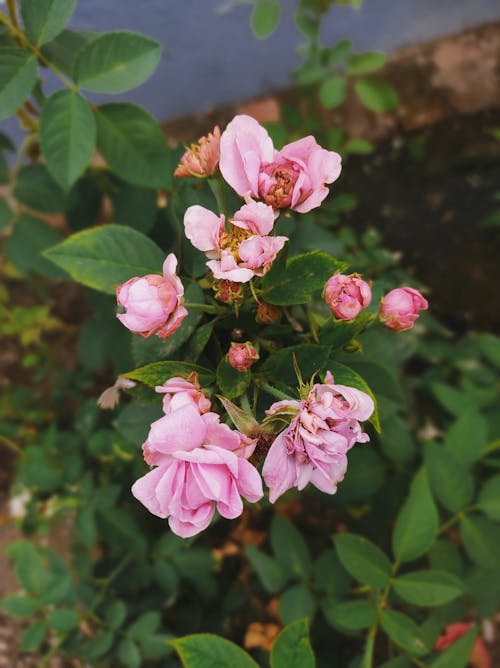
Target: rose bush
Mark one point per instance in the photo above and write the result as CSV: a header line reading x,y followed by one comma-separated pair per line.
x,y
256,381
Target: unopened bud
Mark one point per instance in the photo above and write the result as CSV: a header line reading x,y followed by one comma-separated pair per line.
x,y
268,314
241,356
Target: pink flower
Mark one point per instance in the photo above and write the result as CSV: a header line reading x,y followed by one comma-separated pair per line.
x,y
346,295
241,356
399,308
313,448
201,159
479,658
180,392
294,177
201,465
153,303
241,252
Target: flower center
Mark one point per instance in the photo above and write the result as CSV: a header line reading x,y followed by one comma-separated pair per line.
x,y
279,195
231,240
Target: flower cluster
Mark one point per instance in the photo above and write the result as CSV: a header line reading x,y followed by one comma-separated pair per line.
x,y
200,465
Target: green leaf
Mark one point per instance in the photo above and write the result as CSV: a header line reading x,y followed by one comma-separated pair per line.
x,y
265,17
466,438
24,248
129,653
36,188
85,527
296,603
290,548
33,636
106,256
115,614
116,61
63,50
133,145
63,619
101,643
333,91
457,655
269,571
303,274
18,606
29,566
398,662
489,498
145,625
67,136
451,482
481,538
404,632
232,383
367,472
56,589
453,400
134,206
428,588
344,375
18,72
198,341
329,574
361,63
352,615
376,95
310,358
417,522
490,346
338,53
397,442
292,648
45,19
158,372
363,559
205,650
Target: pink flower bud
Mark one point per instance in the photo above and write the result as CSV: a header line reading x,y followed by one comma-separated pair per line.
x,y
241,356
268,314
201,159
153,303
346,296
399,308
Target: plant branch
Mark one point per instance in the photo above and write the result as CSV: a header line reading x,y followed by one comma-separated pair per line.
x,y
24,42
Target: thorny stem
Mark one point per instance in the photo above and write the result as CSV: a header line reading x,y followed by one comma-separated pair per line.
x,y
26,44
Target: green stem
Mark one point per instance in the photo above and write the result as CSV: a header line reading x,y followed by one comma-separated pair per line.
x,y
12,9
491,447
274,392
205,308
13,447
217,189
456,518
24,42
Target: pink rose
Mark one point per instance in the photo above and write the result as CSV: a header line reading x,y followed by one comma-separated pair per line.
x,y
479,658
346,295
241,356
201,159
153,303
294,177
241,252
200,465
180,391
313,448
399,308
